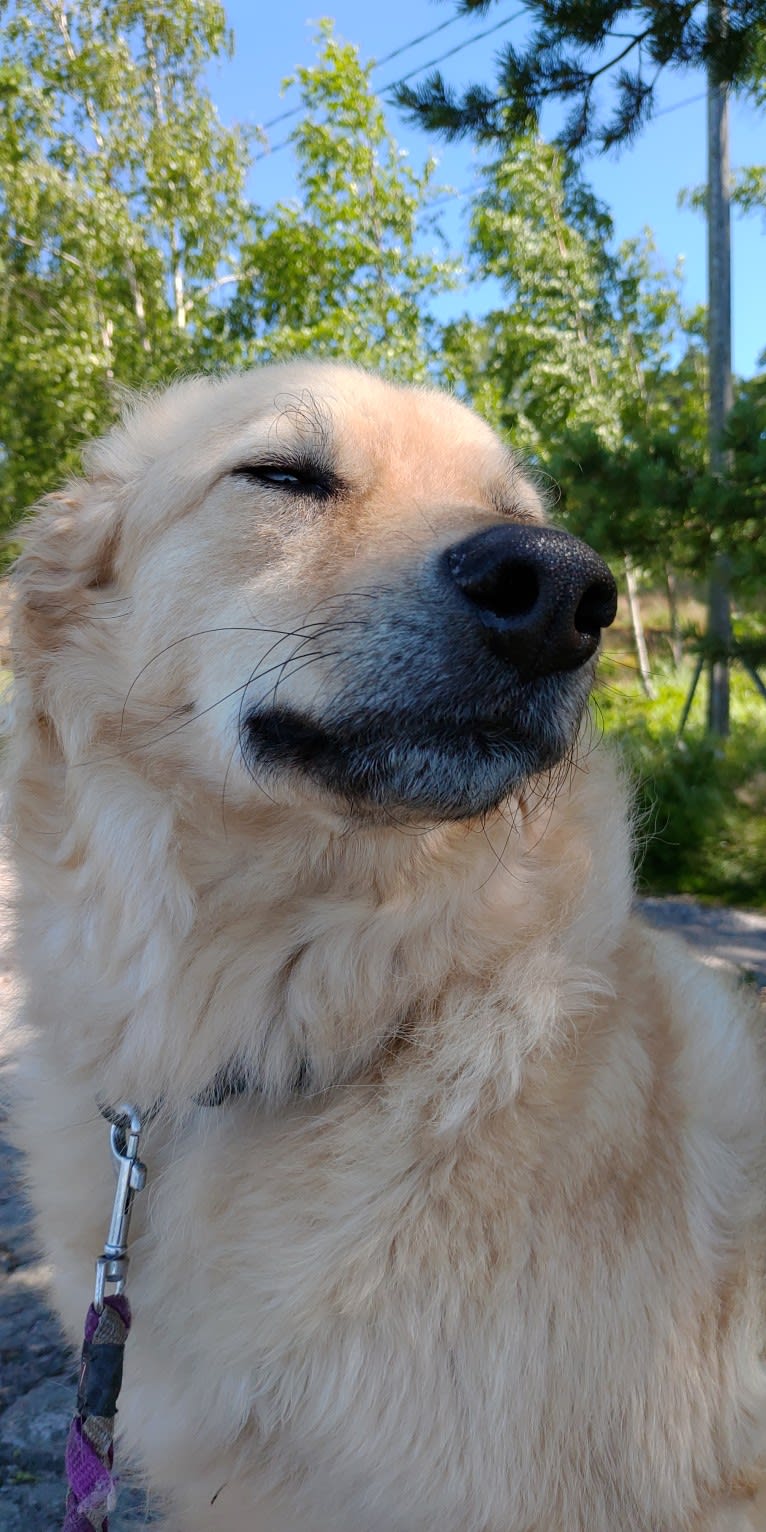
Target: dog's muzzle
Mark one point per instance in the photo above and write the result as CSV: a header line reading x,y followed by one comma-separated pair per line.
x,y
466,679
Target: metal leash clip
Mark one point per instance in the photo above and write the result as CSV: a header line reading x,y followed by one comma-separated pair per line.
x,y
112,1265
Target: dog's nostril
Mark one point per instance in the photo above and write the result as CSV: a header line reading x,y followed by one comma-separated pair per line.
x,y
509,591
596,609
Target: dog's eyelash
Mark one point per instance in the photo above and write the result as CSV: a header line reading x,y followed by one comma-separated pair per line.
x,y
291,478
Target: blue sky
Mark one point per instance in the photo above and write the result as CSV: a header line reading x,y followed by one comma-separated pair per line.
x,y
640,186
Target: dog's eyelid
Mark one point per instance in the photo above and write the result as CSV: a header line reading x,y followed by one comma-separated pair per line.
x,y
290,477
513,511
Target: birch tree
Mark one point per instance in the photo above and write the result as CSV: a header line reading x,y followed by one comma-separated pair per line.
x,y
351,266
121,208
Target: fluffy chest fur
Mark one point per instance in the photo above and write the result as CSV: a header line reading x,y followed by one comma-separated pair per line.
x,y
419,1322
490,1274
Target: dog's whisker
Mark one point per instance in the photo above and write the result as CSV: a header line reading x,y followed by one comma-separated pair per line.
x,y
609,657
199,713
500,865
232,756
260,629
184,639
156,739
295,668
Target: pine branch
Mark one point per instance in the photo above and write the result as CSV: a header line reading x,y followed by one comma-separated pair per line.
x,y
578,44
436,105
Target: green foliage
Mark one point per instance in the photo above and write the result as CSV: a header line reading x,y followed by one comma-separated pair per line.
x,y
120,202
652,497
128,253
591,366
734,509
700,804
549,352
749,189
639,495
632,499
576,47
595,370
342,272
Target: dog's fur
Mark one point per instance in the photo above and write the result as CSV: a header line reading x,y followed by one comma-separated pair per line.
x,y
480,1244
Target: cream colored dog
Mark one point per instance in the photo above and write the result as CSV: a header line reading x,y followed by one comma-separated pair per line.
x,y
457,1184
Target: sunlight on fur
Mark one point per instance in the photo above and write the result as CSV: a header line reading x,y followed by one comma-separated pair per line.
x,y
307,812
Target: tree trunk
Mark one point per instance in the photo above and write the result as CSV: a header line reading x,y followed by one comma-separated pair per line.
x,y
139,307
176,264
676,645
639,637
719,351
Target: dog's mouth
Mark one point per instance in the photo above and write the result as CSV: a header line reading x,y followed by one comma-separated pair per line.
x,y
451,766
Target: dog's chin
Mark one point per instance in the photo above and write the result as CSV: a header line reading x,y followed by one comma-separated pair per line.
x,y
414,770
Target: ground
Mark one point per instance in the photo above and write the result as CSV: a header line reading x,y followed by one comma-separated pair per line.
x,y
37,1373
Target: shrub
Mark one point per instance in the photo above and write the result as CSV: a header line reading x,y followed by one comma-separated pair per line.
x,y
701,805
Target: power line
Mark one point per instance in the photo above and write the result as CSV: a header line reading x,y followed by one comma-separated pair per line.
x,y
424,36
457,195
284,142
453,196
386,59
294,112
459,49
676,107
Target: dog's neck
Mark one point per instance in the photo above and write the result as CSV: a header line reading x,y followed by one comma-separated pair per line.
x,y
299,951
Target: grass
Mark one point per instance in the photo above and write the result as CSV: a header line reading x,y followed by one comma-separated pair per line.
x,y
701,805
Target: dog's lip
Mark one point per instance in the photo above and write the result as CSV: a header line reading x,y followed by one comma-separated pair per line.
x,y
506,721
483,724
503,720
417,729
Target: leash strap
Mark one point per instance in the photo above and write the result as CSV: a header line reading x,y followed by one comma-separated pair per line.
x,y
92,1487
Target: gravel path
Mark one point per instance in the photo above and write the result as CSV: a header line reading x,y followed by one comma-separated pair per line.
x,y
37,1373
725,938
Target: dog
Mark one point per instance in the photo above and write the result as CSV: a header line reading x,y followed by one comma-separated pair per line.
x,y
456,1209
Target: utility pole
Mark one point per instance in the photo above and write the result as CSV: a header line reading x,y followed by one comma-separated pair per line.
x,y
720,398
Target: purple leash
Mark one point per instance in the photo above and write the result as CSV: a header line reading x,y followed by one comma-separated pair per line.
x,y
92,1486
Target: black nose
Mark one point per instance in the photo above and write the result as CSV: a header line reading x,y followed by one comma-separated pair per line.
x,y
540,595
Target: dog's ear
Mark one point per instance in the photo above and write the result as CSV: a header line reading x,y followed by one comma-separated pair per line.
x,y
69,547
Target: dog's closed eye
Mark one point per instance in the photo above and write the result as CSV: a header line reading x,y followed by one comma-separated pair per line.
x,y
307,478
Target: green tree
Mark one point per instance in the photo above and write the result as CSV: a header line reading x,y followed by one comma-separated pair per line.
x,y
121,206
343,271
590,364
549,353
735,508
635,492
575,48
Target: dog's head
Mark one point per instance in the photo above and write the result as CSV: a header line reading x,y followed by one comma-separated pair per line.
x,y
312,584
